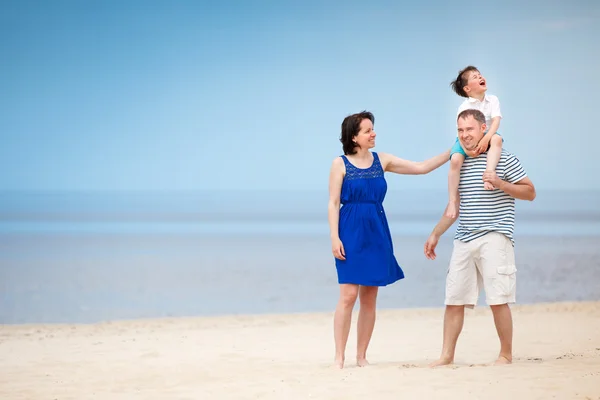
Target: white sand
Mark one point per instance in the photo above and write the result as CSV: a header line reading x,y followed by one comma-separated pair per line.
x,y
557,355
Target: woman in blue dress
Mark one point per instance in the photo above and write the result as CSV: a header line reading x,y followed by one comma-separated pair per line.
x,y
360,237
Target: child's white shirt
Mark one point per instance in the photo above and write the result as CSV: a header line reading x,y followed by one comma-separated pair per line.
x,y
490,107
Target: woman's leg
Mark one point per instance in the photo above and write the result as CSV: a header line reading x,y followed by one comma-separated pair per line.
x,y
366,322
342,319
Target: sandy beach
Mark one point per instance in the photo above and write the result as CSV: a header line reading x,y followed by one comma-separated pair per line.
x,y
556,349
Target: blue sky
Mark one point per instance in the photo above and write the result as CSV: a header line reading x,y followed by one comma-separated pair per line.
x,y
195,95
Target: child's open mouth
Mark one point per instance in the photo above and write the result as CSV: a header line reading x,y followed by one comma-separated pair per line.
x,y
482,83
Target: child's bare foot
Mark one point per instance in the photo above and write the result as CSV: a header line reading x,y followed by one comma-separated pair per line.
x,y
488,186
441,362
452,209
362,362
339,362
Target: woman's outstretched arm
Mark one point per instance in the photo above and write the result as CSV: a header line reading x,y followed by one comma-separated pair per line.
x,y
391,163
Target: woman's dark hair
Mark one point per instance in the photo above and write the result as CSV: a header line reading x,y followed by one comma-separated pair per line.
x,y
350,128
459,83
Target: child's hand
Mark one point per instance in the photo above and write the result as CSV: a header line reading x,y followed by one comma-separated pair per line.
x,y
483,144
472,153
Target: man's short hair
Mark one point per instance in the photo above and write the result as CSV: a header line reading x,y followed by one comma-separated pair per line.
x,y
478,115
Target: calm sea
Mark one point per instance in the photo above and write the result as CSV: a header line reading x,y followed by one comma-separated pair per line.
x,y
86,257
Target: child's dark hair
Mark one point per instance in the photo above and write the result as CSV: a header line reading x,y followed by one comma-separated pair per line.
x,y
461,81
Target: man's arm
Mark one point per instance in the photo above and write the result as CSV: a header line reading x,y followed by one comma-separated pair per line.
x,y
442,226
522,190
515,183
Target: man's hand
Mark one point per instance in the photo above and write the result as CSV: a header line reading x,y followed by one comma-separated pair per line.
x,y
492,178
430,246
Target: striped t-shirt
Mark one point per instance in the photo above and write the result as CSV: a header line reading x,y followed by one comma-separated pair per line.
x,y
483,211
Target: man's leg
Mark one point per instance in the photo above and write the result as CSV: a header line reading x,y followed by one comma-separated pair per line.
x,y
454,318
504,327
499,279
461,290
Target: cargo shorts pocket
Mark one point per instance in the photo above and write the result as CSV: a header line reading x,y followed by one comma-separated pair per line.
x,y
505,280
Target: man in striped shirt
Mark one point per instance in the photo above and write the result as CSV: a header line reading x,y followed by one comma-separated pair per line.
x,y
483,255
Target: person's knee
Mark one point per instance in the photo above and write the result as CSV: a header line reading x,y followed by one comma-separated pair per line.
x,y
348,296
368,297
499,307
501,312
456,161
496,140
455,310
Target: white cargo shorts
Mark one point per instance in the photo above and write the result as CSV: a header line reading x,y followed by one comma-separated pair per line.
x,y
487,262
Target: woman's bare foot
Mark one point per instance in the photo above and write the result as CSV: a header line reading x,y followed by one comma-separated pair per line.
x,y
503,361
339,362
362,362
441,362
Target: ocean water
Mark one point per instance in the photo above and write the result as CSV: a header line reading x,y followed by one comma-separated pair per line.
x,y
87,257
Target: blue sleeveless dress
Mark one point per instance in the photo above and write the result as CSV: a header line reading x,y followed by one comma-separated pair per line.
x,y
363,229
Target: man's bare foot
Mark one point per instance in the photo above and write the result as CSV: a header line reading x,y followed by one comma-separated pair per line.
x,y
339,362
503,361
441,362
452,209
362,362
